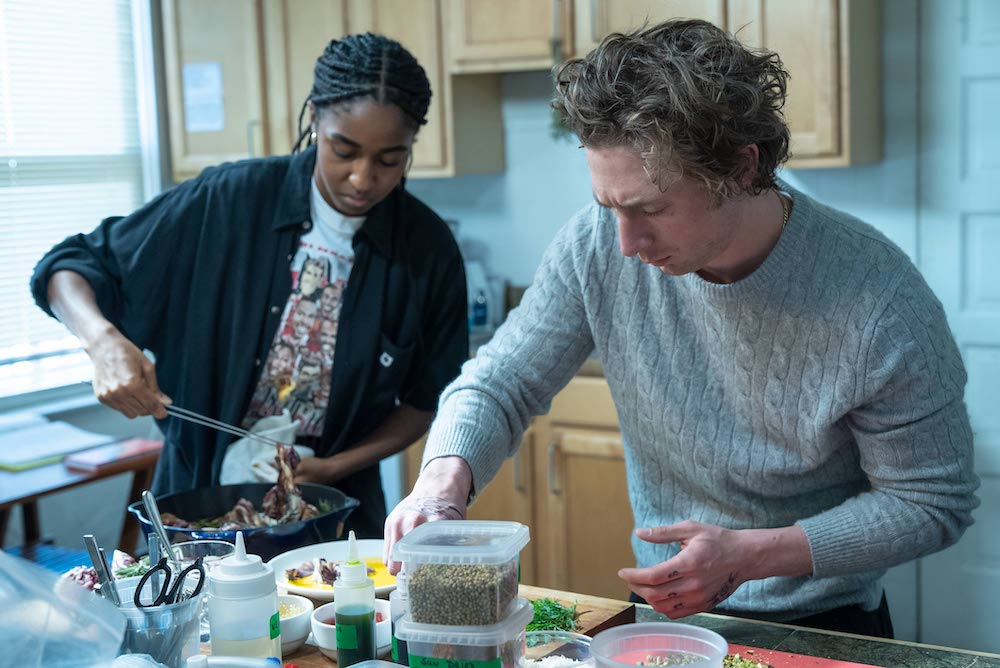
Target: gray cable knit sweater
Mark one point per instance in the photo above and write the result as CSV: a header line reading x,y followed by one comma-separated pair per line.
x,y
824,389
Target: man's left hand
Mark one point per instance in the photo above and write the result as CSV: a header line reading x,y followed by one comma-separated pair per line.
x,y
712,563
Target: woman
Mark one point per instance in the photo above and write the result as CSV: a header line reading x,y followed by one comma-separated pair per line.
x,y
225,280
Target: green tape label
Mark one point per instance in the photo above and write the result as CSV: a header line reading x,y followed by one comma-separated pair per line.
x,y
275,623
347,636
395,649
431,662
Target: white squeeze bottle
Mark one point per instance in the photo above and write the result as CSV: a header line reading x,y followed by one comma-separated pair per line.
x,y
243,606
354,609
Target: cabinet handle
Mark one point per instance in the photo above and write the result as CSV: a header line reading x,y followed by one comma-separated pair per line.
x,y
518,483
251,151
552,469
593,21
556,41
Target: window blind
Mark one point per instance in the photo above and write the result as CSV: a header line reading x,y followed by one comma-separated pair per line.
x,y
70,155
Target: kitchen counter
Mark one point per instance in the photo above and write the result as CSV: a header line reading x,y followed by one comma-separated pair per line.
x,y
829,644
779,637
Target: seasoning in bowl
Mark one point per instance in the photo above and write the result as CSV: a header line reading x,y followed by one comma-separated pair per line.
x,y
286,610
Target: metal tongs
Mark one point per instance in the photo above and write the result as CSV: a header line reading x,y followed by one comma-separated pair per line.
x,y
205,421
218,425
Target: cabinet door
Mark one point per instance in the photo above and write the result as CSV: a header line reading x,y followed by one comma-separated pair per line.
x,y
296,33
831,51
215,81
807,37
492,36
588,525
509,496
594,19
416,25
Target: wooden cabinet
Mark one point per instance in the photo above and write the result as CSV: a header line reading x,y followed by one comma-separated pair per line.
x,y
594,19
268,49
463,134
491,36
831,49
296,33
567,482
583,520
215,83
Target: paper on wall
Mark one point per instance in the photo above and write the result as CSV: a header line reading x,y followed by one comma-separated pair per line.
x,y
203,108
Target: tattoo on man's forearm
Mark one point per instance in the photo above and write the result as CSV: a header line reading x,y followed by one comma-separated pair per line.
x,y
725,590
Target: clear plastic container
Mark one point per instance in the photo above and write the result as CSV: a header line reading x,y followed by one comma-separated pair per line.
x,y
658,644
556,649
494,646
461,573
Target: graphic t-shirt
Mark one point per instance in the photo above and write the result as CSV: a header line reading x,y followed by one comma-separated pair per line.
x,y
298,369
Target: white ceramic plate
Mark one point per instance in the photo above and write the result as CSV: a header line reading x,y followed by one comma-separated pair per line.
x,y
368,548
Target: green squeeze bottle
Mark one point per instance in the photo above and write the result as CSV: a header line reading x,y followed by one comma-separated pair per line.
x,y
354,609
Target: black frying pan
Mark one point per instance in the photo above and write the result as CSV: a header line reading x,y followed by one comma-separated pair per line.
x,y
268,542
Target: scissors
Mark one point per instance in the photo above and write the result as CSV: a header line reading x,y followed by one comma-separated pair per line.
x,y
169,593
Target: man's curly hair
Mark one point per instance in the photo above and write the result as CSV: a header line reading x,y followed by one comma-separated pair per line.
x,y
687,96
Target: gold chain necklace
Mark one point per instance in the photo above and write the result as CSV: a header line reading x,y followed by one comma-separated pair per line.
x,y
785,210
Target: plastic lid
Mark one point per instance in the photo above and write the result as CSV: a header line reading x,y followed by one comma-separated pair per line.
x,y
462,542
375,663
241,575
477,636
353,571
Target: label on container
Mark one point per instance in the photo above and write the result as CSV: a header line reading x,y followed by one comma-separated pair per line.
x,y
347,636
275,624
395,648
432,662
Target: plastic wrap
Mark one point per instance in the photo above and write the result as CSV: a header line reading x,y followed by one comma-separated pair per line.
x,y
51,621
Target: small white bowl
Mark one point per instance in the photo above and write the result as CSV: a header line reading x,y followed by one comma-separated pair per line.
x,y
295,628
324,631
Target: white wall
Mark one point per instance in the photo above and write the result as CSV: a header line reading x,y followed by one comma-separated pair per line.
x,y
513,215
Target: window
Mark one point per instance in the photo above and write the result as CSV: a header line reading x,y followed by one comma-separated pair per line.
x,y
71,153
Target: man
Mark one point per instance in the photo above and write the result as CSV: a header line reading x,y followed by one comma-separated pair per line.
x,y
789,394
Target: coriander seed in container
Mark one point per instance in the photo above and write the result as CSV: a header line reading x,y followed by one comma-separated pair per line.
x,y
461,572
494,646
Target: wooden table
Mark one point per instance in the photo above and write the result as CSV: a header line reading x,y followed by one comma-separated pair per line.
x,y
25,488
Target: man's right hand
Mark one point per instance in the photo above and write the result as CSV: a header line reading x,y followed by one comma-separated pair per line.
x,y
124,378
440,493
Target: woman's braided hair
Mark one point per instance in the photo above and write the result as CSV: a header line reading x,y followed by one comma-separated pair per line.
x,y
368,65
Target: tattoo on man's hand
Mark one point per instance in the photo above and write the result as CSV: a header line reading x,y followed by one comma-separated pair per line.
x,y
725,590
435,508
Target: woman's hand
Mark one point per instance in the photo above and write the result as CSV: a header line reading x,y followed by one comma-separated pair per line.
x,y
322,470
124,378
440,493
712,563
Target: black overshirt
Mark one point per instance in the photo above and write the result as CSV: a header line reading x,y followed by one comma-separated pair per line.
x,y
200,277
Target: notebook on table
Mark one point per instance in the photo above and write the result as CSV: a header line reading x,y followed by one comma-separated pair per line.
x,y
104,456
46,443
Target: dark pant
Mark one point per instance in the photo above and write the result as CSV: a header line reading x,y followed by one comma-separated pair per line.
x,y
849,619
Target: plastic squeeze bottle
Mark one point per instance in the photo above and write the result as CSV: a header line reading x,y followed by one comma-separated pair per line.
x,y
243,606
354,609
399,605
